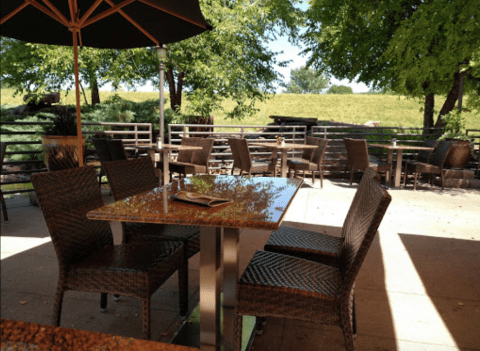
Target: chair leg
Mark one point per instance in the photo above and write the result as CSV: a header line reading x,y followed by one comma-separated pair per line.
x,y
237,333
405,176
146,318
442,178
415,175
4,207
313,177
57,307
103,302
347,328
351,176
321,177
183,285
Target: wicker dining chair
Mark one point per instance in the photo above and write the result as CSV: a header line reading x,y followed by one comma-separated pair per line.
x,y
88,260
283,286
135,176
108,150
358,159
314,246
3,148
435,166
311,161
199,159
242,159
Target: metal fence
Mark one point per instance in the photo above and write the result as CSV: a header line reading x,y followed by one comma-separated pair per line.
x,y
26,141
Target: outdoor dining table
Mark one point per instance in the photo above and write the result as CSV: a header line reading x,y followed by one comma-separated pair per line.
x,y
399,152
152,149
256,203
283,149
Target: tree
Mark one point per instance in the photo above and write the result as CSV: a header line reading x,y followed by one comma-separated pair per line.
x,y
419,48
305,80
340,89
38,68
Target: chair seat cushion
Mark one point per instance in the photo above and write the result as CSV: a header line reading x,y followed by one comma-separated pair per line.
x,y
421,167
280,285
127,268
262,167
318,247
186,168
301,165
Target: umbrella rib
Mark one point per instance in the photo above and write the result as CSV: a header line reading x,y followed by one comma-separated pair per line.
x,y
115,8
58,13
13,13
46,11
161,8
89,12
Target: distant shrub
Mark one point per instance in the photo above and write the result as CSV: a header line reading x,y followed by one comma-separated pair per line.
x,y
340,89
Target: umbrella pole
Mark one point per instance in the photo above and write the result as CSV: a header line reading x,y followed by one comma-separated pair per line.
x,y
77,95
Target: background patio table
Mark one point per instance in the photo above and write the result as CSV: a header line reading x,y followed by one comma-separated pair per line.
x,y
258,203
283,156
399,149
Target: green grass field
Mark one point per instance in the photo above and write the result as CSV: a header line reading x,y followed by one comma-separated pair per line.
x,y
389,110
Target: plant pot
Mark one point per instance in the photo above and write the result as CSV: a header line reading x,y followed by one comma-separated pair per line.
x,y
459,154
61,152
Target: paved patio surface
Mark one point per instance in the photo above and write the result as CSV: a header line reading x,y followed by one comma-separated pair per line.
x,y
419,288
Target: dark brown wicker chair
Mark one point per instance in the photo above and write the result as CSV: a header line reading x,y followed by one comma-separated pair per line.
x,y
311,161
199,158
318,247
3,148
358,159
88,260
108,150
440,154
284,286
242,159
135,176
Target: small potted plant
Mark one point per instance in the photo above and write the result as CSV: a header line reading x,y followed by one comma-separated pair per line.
x,y
454,130
59,141
280,140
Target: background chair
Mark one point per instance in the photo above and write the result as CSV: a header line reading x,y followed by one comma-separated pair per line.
x,y
108,150
242,159
284,286
88,260
3,148
440,154
358,159
132,177
199,158
311,161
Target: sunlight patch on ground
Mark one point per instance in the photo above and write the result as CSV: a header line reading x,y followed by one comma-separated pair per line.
x,y
415,317
11,245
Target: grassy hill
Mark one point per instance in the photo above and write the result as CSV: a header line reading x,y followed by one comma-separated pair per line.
x,y
389,110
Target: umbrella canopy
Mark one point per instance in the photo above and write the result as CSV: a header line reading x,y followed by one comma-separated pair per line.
x,y
108,24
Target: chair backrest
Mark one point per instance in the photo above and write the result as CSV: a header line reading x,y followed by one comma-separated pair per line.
x,y
360,227
440,153
102,150
130,177
116,149
201,157
424,155
186,155
3,149
319,153
244,154
237,161
357,153
307,154
65,197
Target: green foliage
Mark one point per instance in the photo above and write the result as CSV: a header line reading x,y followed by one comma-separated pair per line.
x,y
37,129
306,80
454,126
340,89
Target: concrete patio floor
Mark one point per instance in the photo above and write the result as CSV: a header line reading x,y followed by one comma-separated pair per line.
x,y
418,289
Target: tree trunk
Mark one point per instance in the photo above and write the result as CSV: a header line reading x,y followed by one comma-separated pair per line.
x,y
175,92
95,93
452,97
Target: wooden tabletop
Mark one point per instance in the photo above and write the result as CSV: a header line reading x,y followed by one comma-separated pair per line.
x,y
400,147
275,145
154,146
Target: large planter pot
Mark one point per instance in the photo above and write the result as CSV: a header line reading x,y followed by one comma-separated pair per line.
x,y
459,155
61,152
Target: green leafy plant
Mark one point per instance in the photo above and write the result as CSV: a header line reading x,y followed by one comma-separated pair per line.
x,y
454,126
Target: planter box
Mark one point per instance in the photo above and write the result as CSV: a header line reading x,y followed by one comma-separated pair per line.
x,y
61,152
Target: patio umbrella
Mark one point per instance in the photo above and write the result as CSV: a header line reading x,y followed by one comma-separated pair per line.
x,y
107,24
